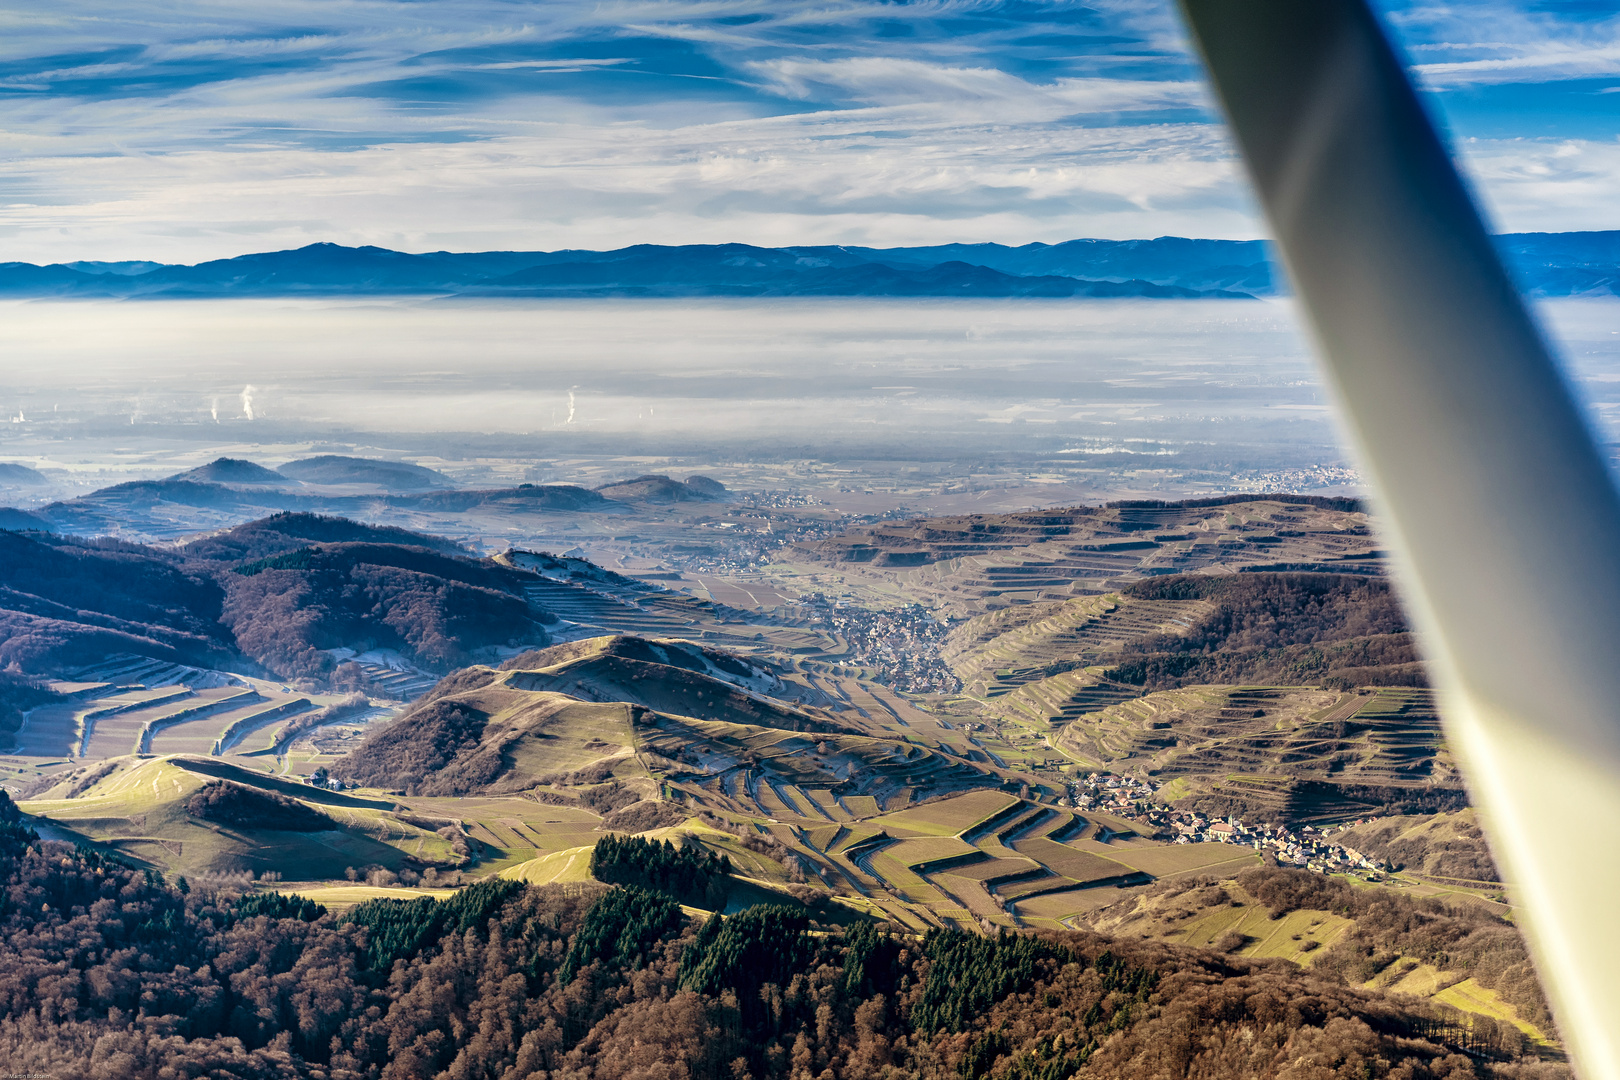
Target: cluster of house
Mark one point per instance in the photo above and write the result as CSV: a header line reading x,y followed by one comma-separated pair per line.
x,y
319,778
901,646
1307,847
757,540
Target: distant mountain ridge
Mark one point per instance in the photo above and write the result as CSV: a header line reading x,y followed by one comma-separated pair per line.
x,y
1546,264
233,487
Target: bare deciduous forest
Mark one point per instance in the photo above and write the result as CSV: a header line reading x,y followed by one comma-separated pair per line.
x,y
112,972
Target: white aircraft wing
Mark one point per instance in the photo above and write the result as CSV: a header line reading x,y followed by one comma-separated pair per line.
x,y
1494,499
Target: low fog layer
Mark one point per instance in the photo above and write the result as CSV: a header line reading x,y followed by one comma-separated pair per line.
x,y
1212,384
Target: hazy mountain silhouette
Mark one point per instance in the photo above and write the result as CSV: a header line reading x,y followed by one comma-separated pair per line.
x,y
338,469
15,475
1546,264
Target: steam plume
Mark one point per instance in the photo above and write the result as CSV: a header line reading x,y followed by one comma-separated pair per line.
x,y
247,400
570,419
213,410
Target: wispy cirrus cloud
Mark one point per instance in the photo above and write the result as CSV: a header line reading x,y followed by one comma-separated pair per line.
x,y
1543,65
192,129
1495,42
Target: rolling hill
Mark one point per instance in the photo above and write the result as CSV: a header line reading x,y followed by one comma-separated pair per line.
x,y
229,492
338,469
662,489
627,710
672,676
63,600
1447,846
439,611
273,595
234,472
1278,753
202,816
1053,660
976,563
290,531
21,476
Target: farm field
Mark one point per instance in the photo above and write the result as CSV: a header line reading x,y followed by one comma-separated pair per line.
x,y
338,897
1075,863
1172,860
920,855
1297,936
1224,917
951,816
571,864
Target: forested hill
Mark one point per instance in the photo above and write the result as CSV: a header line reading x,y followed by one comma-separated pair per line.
x,y
1335,630
1547,264
273,595
110,971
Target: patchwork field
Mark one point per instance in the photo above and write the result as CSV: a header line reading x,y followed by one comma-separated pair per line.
x,y
1215,912
950,817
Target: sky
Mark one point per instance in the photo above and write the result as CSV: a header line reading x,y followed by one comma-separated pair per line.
x,y
185,130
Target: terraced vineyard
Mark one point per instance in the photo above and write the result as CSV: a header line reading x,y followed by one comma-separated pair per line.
x,y
1001,651
105,721
789,776
989,856
972,564
1294,752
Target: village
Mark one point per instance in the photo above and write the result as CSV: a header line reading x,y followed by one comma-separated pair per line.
x,y
1306,847
900,647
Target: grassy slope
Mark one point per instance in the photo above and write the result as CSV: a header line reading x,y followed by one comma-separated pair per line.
x,y
1228,918
139,810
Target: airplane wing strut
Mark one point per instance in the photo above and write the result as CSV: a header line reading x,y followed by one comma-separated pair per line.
x,y
1502,518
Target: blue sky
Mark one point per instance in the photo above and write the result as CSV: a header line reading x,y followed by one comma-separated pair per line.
x,y
193,129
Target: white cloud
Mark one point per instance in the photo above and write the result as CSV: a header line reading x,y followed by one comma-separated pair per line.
x,y
193,129
1494,42
1547,63
822,178
984,92
1551,185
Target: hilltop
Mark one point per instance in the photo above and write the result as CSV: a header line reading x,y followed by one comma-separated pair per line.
x,y
580,712
196,816
289,531
64,602
669,676
662,489
233,472
21,476
338,469
288,611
